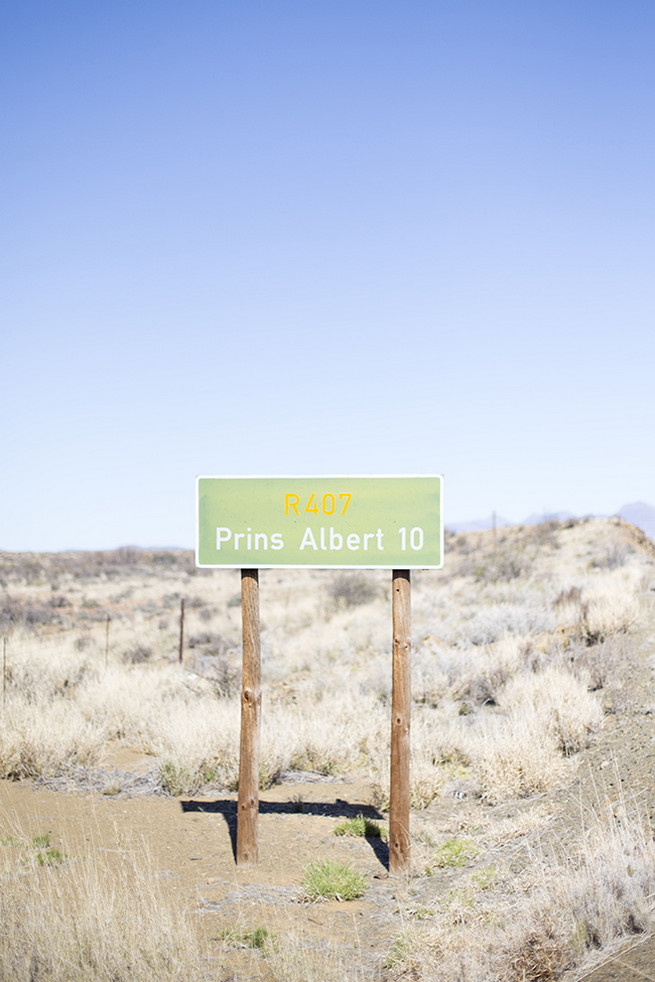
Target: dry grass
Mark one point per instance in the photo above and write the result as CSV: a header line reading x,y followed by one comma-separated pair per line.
x,y
44,739
516,758
77,920
295,960
488,670
519,644
560,705
552,919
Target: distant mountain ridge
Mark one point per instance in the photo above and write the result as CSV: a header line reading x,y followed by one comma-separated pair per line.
x,y
641,515
480,523
638,513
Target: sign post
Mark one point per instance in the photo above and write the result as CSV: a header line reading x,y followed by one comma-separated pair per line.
x,y
251,700
321,523
401,706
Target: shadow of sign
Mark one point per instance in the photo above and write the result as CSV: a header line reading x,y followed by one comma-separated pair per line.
x,y
227,807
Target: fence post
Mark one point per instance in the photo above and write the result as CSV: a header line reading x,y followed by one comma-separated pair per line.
x,y
181,631
107,641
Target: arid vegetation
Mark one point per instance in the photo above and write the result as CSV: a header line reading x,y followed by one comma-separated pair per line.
x,y
527,649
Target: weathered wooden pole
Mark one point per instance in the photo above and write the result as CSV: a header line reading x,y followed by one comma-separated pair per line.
x,y
251,699
181,655
399,841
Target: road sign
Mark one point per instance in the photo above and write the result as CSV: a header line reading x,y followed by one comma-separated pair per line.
x,y
320,522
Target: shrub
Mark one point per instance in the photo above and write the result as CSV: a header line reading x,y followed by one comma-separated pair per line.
x,y
46,739
560,702
503,566
501,620
608,667
608,614
613,556
351,589
539,955
176,780
515,758
14,613
137,655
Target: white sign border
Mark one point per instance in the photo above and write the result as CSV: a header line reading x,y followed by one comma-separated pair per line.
x,y
318,477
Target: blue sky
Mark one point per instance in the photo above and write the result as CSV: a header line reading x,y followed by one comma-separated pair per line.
x,y
296,238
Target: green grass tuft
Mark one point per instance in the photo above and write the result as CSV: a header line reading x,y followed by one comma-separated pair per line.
x,y
51,857
453,854
359,826
331,880
259,938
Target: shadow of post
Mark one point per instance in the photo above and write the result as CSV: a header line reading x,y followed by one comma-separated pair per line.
x,y
227,807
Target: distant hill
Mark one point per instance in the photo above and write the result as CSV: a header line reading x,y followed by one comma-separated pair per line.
x,y
641,515
478,523
537,518
638,513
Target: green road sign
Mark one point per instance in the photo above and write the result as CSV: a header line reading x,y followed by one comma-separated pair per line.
x,y
320,522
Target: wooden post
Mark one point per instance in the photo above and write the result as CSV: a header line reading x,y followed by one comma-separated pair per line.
x,y
399,841
4,671
107,641
182,630
251,699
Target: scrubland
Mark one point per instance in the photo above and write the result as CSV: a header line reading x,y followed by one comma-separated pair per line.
x,y
528,650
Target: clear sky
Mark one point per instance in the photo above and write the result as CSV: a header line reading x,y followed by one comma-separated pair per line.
x,y
356,236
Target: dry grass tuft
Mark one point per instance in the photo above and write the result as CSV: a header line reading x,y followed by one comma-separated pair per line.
x,y
516,758
538,955
79,921
46,739
560,703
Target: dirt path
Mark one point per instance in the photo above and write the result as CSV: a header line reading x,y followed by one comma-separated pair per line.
x,y
190,844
